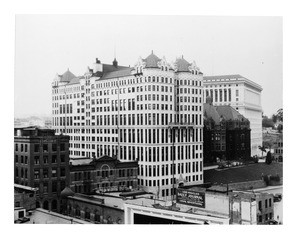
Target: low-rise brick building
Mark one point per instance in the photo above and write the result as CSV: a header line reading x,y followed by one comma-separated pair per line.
x,y
103,174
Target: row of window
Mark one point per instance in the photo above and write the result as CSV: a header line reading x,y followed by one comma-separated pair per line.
x,y
217,94
49,172
169,169
104,173
133,119
268,203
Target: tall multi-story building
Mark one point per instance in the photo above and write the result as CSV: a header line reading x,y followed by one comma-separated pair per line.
x,y
151,113
42,162
242,94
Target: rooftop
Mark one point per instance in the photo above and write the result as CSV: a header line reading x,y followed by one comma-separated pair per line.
x,y
182,65
231,77
42,216
151,61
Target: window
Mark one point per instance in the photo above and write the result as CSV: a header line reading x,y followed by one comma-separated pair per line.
x,y
54,157
36,174
16,147
259,205
54,186
62,158
45,173
62,172
62,147
45,147
54,172
36,160
45,159
54,147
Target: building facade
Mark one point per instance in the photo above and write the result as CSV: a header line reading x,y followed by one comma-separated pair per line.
x,y
243,95
42,162
226,134
278,148
105,174
151,113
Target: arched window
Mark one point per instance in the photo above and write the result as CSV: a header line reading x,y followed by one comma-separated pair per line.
x,y
97,216
54,205
46,205
87,214
105,171
77,211
166,69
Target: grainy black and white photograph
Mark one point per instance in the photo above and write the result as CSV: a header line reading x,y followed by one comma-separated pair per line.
x,y
148,119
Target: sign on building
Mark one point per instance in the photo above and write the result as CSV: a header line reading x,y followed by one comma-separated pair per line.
x,y
192,198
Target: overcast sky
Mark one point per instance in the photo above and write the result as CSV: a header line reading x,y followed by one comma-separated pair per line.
x,y
49,44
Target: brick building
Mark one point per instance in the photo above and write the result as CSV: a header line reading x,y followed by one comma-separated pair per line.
x,y
226,134
42,162
103,174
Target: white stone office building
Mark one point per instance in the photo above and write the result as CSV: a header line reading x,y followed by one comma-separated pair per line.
x,y
242,94
133,114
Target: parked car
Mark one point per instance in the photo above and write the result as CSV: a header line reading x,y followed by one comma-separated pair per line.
x,y
272,222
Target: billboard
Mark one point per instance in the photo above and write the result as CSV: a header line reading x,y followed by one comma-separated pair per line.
x,y
192,198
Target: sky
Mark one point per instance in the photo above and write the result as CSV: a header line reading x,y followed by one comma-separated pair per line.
x,y
50,44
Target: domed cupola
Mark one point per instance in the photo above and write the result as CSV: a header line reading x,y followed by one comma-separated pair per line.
x,y
152,61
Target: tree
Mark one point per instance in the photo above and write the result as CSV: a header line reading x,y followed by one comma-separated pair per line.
x,y
267,122
263,149
280,114
269,158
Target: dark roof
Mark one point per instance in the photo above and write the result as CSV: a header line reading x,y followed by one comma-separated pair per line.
x,y
67,76
117,73
182,65
151,61
229,113
74,80
210,111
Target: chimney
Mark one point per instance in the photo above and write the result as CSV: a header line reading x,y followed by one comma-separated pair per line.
x,y
115,63
98,67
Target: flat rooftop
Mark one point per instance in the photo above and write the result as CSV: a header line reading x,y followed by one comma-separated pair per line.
x,y
42,216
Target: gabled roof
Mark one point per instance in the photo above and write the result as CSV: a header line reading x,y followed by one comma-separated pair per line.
x,y
151,61
182,65
118,73
67,76
229,113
